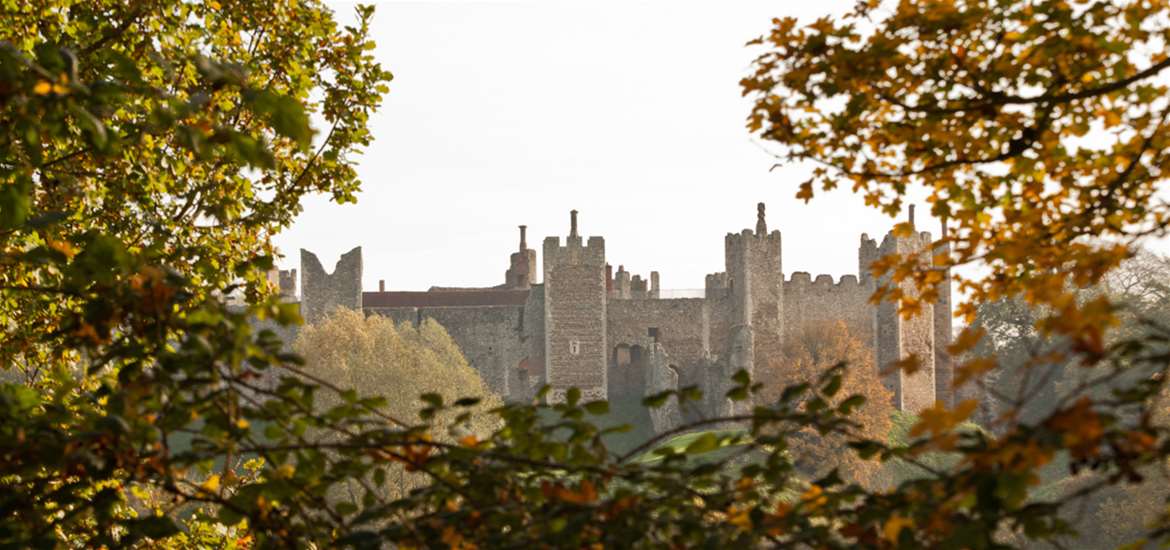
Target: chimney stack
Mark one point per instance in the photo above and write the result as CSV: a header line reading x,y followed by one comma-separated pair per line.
x,y
382,285
523,238
572,223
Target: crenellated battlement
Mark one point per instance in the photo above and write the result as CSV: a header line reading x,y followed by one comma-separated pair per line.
x,y
717,284
288,283
749,239
801,280
624,287
573,252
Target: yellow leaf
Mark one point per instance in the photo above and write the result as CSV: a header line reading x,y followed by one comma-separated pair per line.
x,y
814,497
739,517
1112,118
64,247
806,191
42,88
894,527
211,485
286,471
966,340
973,369
903,229
909,364
939,419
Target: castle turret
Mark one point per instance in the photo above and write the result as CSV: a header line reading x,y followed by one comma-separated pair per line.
x,y
944,368
522,272
323,292
898,337
755,277
575,315
867,253
625,286
288,284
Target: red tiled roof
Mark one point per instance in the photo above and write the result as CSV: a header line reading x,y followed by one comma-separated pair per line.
x,y
485,297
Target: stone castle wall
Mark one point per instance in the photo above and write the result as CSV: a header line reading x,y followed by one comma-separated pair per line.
x,y
680,323
490,337
809,301
534,367
582,323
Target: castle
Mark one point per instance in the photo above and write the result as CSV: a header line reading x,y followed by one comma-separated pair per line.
x,y
612,334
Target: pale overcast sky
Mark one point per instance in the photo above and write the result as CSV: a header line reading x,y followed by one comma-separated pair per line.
x,y
508,113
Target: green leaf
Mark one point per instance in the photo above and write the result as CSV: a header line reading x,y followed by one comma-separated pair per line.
x,y
286,115
155,527
792,392
94,129
850,404
432,399
739,393
573,396
704,443
657,400
15,202
45,220
833,386
866,448
597,407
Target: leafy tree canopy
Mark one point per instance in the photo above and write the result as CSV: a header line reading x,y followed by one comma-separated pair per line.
x,y
148,151
1037,130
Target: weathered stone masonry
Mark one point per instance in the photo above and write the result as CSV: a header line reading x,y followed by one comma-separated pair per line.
x,y
610,334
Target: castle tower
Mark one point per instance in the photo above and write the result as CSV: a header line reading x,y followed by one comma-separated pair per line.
x,y
575,315
522,273
323,292
897,337
756,282
944,368
283,282
288,284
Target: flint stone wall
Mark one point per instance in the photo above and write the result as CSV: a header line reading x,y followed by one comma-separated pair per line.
x,y
898,338
574,317
323,292
808,301
490,337
681,323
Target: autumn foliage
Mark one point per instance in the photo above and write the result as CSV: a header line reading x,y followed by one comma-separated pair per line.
x,y
806,355
149,151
